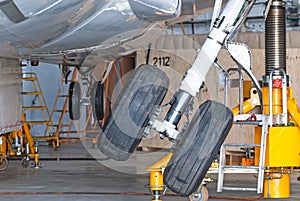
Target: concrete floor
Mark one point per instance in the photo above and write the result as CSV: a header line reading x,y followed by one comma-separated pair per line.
x,y
83,178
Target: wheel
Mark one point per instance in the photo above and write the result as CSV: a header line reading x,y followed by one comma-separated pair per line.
x,y
3,163
25,162
130,114
198,147
74,100
98,100
200,195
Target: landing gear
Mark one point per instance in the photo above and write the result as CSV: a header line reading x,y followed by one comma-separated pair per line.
x,y
74,100
125,127
98,100
200,195
198,147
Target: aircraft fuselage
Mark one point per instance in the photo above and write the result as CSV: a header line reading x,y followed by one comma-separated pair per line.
x,y
56,26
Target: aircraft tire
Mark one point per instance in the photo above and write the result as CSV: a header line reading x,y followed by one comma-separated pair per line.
x,y
98,100
130,114
74,100
197,148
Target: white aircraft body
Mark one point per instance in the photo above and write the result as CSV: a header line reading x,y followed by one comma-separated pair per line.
x,y
67,31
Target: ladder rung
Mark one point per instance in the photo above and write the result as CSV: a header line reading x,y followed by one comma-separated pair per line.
x,y
31,93
248,122
259,170
240,167
63,132
45,137
62,125
57,110
238,189
38,122
29,78
236,171
241,145
35,107
60,110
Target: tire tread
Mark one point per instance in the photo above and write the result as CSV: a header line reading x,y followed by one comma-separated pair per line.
x,y
117,143
198,147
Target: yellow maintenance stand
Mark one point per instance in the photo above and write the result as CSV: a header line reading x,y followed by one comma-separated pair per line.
x,y
283,139
19,143
282,150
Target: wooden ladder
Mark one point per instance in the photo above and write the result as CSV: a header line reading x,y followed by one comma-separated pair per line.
x,y
38,104
60,108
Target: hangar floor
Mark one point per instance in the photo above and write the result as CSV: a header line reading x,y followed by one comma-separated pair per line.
x,y
71,173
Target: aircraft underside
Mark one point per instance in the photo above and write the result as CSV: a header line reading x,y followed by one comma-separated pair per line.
x,y
72,32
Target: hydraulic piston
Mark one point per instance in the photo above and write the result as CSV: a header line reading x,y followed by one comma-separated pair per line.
x,y
195,76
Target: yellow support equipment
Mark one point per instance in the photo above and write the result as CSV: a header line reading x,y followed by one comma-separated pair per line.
x,y
28,136
277,100
156,185
248,105
33,148
19,143
162,163
282,146
277,184
293,109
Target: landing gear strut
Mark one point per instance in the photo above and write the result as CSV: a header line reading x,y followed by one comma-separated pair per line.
x,y
196,149
79,93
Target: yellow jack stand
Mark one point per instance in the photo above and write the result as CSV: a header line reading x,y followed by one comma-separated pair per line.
x,y
156,186
277,184
282,152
